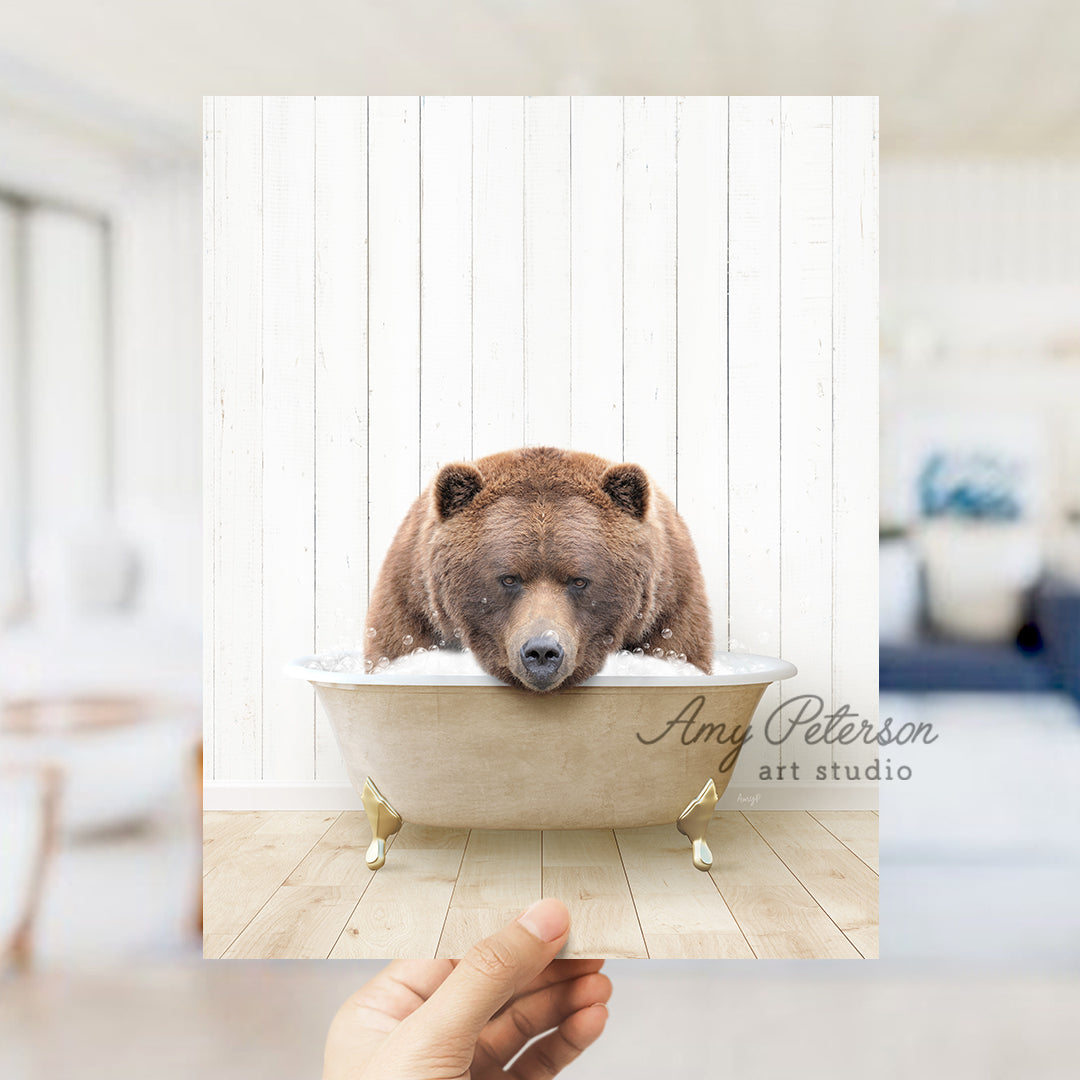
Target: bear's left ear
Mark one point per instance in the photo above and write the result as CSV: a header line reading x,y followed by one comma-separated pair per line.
x,y
628,487
455,487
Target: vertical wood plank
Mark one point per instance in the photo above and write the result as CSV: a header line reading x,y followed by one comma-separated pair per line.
x,y
649,236
211,436
341,391
596,257
855,416
701,462
394,328
547,271
288,432
754,395
237,439
446,292
498,333
806,407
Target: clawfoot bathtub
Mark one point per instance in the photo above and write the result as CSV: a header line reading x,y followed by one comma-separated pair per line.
x,y
466,751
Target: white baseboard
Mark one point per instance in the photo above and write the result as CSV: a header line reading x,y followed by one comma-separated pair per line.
x,y
316,795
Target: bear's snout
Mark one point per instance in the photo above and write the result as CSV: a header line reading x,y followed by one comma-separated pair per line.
x,y
542,657
541,654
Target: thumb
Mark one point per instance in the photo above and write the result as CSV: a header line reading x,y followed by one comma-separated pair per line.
x,y
491,973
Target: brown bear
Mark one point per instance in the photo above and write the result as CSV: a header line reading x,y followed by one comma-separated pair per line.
x,y
542,562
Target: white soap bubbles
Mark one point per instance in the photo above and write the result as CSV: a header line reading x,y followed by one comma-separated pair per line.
x,y
344,660
653,666
423,663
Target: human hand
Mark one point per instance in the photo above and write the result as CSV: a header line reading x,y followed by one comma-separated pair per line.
x,y
465,1020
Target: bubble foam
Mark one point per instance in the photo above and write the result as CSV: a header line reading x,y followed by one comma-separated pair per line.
x,y
434,662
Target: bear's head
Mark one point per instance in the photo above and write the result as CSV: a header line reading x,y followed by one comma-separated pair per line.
x,y
541,566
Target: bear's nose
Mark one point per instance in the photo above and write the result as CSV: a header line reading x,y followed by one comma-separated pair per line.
x,y
541,656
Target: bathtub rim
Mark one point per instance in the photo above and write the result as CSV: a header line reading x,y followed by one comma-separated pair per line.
x,y
779,670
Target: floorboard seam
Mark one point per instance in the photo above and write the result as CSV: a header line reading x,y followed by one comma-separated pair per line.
x,y
363,892
453,892
856,947
277,887
633,899
734,918
802,883
229,944
776,852
841,840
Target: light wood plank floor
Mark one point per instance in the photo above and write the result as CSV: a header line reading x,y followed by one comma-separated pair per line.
x,y
784,885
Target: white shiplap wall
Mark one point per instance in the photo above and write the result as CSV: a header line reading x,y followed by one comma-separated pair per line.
x,y
395,283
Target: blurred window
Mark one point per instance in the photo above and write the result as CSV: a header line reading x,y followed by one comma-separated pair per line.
x,y
56,387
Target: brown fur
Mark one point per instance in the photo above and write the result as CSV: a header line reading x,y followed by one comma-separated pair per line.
x,y
548,517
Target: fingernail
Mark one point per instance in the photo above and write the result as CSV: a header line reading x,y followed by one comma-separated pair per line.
x,y
546,919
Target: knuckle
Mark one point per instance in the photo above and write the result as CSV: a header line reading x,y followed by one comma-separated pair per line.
x,y
493,959
545,1061
521,1024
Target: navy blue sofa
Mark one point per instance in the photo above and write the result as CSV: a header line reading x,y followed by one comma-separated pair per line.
x,y
1045,657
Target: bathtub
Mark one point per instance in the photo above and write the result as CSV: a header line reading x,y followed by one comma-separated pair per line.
x,y
467,751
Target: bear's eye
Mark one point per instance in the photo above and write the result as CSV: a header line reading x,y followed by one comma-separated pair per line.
x,y
509,580
578,582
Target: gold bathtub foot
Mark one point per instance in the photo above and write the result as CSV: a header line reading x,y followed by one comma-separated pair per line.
x,y
694,820
384,821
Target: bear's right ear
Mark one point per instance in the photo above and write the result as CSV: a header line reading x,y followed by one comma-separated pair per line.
x,y
455,487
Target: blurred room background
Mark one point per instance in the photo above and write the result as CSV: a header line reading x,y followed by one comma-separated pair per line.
x,y
100,491
980,548
100,517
